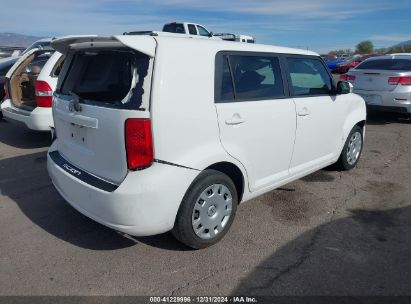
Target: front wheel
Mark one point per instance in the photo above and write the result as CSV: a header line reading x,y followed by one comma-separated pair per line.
x,y
207,210
351,152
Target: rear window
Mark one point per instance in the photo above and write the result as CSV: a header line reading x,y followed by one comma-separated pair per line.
x,y
174,28
386,64
108,78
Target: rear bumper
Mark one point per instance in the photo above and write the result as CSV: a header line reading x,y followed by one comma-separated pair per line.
x,y
145,203
388,101
40,119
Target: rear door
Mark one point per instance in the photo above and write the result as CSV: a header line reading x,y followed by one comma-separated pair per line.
x,y
320,115
98,90
256,118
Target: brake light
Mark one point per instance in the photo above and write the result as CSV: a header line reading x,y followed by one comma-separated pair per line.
x,y
139,143
44,94
347,77
6,89
405,81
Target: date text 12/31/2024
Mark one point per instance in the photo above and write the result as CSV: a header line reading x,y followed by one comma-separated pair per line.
x,y
202,299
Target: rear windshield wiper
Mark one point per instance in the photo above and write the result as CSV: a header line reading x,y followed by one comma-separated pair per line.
x,y
76,107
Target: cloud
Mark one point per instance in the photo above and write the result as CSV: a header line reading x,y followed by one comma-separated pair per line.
x,y
311,23
391,38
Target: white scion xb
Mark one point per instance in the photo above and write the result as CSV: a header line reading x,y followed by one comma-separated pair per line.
x,y
159,133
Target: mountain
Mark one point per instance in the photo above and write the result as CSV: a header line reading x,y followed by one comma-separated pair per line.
x,y
13,39
403,43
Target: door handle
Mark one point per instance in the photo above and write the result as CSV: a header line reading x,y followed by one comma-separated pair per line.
x,y
235,120
304,112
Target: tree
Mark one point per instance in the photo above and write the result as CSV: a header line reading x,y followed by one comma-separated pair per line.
x,y
341,52
400,49
365,47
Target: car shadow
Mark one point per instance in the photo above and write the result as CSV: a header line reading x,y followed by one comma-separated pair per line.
x,y
384,118
24,179
20,137
366,253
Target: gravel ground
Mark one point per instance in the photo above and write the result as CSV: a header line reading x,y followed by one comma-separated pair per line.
x,y
330,233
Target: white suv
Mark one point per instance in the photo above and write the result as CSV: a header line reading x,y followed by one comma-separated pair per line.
x,y
158,133
29,86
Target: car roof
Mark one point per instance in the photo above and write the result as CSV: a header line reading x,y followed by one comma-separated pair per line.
x,y
223,45
391,56
147,44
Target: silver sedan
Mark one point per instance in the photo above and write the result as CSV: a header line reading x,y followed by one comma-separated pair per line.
x,y
384,82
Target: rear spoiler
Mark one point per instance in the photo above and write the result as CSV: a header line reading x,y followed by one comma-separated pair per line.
x,y
143,43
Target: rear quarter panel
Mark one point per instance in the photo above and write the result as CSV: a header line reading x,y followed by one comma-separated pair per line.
x,y
356,113
185,124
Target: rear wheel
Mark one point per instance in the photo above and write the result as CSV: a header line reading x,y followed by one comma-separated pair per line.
x,y
207,210
351,152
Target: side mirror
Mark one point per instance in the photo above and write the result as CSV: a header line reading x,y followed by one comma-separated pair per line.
x,y
211,34
344,87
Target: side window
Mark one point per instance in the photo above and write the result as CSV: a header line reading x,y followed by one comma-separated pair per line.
x,y
224,89
246,78
192,29
256,77
308,77
202,31
57,68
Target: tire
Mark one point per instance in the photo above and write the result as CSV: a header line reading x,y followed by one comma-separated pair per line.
x,y
347,160
219,194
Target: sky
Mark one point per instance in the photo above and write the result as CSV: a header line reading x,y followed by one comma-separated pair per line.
x,y
318,25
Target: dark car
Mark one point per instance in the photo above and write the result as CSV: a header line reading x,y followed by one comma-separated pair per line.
x,y
5,66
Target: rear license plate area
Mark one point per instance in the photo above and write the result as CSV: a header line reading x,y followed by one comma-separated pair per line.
x,y
78,134
372,99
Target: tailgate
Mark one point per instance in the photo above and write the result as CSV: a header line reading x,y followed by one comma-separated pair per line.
x,y
93,139
98,90
372,80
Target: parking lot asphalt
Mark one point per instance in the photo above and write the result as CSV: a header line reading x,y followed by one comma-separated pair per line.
x,y
330,233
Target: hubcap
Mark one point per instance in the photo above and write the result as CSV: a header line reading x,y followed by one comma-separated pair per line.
x,y
212,211
354,148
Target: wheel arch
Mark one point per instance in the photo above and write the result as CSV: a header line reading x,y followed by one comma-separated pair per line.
x,y
234,173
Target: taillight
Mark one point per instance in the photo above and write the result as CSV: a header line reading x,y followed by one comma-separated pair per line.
x,y
347,77
6,89
139,143
44,94
405,81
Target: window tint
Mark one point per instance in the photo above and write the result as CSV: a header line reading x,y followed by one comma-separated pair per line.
x,y
202,31
174,28
386,64
225,87
107,77
192,29
256,77
308,77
